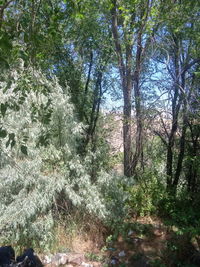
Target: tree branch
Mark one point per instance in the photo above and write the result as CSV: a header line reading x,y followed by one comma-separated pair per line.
x,y
117,41
161,137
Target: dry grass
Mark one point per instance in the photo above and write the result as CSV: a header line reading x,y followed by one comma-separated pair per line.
x,y
86,235
80,235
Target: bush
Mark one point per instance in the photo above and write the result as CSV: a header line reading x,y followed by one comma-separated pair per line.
x,y
145,194
40,163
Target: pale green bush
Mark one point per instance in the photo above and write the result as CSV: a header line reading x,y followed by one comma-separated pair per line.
x,y
40,162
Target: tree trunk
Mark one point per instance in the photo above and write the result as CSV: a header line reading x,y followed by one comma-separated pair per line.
x,y
183,134
127,84
193,167
127,131
138,108
175,112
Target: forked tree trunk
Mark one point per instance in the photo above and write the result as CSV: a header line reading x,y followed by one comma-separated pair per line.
x,y
130,78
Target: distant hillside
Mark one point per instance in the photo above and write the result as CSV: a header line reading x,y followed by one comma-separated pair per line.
x,y
114,122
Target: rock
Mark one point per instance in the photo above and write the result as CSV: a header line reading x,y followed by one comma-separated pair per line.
x,y
86,264
130,232
114,260
75,258
47,259
63,259
96,264
122,253
59,259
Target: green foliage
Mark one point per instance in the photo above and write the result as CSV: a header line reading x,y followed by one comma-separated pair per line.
x,y
179,251
181,211
145,194
94,257
3,133
53,54
34,173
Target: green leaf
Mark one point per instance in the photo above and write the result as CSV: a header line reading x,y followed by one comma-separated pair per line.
x,y
3,109
8,143
11,141
24,150
3,133
47,118
21,100
4,63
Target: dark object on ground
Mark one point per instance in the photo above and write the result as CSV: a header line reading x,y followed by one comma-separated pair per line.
x,y
143,261
7,255
196,258
29,259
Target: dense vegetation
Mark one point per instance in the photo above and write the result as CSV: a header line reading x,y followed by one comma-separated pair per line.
x,y
60,61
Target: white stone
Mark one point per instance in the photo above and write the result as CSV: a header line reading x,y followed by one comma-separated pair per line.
x,y
122,253
130,232
47,259
86,264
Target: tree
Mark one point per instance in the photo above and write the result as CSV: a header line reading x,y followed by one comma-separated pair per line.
x,y
181,61
132,30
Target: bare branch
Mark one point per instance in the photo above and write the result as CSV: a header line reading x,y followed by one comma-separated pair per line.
x,y
161,137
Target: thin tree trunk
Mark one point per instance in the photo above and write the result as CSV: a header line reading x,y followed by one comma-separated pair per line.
x,y
192,169
180,156
182,139
175,113
127,131
126,80
83,115
95,109
137,94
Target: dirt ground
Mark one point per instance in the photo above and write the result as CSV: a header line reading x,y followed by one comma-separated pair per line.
x,y
141,242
